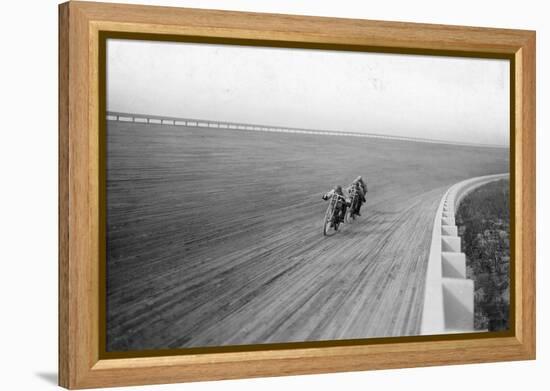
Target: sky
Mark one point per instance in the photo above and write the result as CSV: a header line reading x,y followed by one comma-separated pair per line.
x,y
443,98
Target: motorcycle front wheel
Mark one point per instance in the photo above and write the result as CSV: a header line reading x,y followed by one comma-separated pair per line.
x,y
328,227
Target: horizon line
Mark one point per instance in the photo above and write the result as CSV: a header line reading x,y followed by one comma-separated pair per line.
x,y
204,123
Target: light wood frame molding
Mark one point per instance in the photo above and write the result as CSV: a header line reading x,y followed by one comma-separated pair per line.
x,y
80,24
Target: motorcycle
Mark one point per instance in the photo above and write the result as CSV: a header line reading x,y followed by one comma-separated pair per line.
x,y
351,214
332,215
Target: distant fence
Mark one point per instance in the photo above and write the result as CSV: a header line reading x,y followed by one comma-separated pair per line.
x,y
202,123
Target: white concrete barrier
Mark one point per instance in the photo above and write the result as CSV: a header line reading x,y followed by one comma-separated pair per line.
x,y
450,243
458,300
448,294
449,230
453,264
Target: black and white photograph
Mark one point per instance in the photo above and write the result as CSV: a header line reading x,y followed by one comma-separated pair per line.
x,y
265,195
239,195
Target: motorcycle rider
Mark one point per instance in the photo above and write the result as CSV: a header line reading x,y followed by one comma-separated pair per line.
x,y
338,190
361,187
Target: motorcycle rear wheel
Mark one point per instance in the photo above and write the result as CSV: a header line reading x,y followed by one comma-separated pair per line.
x,y
350,215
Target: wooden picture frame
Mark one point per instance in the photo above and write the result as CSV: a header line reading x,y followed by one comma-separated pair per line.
x,y
81,24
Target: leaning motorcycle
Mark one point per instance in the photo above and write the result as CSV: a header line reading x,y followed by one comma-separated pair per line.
x,y
332,215
351,214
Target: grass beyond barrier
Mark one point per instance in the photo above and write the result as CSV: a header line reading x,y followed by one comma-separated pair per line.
x,y
483,221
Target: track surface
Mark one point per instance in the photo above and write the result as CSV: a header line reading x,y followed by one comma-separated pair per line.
x,y
215,236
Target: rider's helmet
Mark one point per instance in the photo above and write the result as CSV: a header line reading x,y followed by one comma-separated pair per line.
x,y
338,189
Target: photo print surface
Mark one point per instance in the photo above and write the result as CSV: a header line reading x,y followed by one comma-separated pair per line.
x,y
260,195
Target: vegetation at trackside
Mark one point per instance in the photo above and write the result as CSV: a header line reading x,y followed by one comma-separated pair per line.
x,y
483,221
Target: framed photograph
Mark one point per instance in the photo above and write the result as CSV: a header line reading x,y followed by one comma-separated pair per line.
x,y
247,195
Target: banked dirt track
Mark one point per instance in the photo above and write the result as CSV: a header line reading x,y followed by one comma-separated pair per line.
x,y
215,236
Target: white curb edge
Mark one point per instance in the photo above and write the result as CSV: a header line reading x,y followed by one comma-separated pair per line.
x,y
448,294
